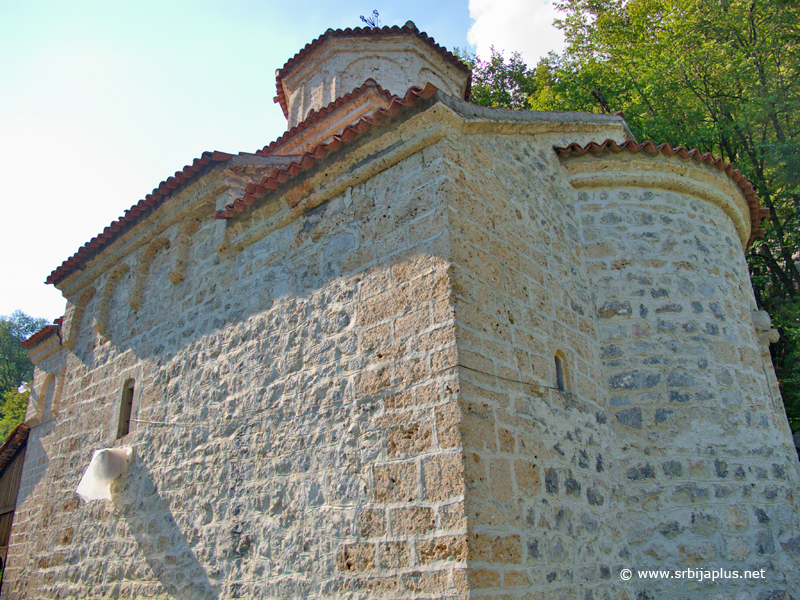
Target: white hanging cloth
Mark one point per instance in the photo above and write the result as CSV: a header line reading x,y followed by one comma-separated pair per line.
x,y
106,466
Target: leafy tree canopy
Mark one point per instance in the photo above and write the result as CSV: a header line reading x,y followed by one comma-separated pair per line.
x,y
12,412
15,366
722,76
497,83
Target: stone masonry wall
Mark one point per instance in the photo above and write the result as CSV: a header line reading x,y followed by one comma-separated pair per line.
x,y
701,440
363,402
541,482
295,419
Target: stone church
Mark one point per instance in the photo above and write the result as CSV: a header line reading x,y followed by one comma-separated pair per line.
x,y
415,348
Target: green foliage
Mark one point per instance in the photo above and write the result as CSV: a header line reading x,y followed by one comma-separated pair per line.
x,y
786,318
15,366
719,75
498,83
12,412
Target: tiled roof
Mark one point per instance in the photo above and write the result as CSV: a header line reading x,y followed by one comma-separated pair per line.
x,y
282,174
136,213
15,441
43,333
409,27
756,212
323,112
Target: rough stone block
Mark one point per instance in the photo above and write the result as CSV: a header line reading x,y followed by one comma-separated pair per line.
x,y
483,578
393,555
408,438
443,477
429,583
395,482
372,522
413,520
356,557
452,516
448,419
528,477
450,548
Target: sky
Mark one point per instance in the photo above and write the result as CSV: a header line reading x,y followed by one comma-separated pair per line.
x,y
101,101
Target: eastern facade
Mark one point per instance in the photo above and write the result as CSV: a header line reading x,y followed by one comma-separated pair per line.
x,y
414,348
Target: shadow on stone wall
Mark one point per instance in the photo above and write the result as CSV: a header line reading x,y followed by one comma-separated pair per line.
x,y
36,458
160,541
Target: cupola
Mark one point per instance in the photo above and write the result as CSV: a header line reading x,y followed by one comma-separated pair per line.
x,y
340,61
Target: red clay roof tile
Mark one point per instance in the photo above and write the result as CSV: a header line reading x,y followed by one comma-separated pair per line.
x,y
756,212
321,113
409,27
282,174
43,333
134,214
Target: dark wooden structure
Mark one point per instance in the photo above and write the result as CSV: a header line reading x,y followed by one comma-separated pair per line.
x,y
12,455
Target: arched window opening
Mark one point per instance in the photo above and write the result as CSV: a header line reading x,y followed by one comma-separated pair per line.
x,y
561,372
125,409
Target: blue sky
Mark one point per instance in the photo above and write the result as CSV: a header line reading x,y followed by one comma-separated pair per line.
x,y
101,101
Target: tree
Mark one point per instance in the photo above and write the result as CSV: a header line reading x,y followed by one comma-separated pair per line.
x,y
719,75
12,412
15,366
497,83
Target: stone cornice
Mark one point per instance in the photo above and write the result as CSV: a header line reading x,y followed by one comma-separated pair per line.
x,y
194,201
421,125
671,173
38,352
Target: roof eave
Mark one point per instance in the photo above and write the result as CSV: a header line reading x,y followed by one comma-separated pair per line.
x,y
137,213
756,212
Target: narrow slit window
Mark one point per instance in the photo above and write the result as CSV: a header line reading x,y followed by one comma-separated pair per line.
x,y
125,409
561,372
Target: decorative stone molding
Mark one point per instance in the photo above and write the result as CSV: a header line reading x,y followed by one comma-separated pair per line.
x,y
186,231
58,392
43,349
74,317
101,314
763,324
46,391
142,268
